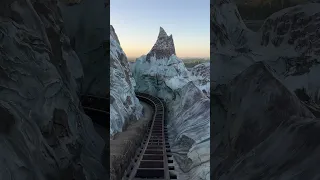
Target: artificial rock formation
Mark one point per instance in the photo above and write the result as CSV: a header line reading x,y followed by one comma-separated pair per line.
x,y
163,48
262,129
124,105
200,75
161,73
290,43
89,37
44,133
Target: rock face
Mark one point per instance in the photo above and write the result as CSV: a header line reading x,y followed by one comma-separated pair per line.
x,y
287,41
262,130
230,43
90,39
163,48
189,132
44,134
124,105
161,73
291,40
200,75
228,30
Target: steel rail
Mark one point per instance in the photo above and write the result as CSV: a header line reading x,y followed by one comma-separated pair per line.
x,y
151,160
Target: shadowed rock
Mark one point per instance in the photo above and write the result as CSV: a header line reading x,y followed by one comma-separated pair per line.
x,y
265,131
89,34
44,134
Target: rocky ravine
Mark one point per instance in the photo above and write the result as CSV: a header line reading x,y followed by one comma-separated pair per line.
x,y
161,73
44,133
261,129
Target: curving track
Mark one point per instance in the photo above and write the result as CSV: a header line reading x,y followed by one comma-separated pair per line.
x,y
97,108
153,159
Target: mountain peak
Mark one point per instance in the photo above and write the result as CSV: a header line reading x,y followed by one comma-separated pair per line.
x,y
164,46
162,32
113,34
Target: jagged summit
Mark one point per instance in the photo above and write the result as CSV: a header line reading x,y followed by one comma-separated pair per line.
x,y
113,34
162,33
163,48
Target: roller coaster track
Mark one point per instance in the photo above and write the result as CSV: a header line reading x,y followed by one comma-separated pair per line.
x,y
153,159
97,108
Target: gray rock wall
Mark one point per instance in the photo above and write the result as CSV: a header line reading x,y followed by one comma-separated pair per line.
x,y
124,105
44,133
88,32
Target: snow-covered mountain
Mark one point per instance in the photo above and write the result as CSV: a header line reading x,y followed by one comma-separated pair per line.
x,y
44,133
124,105
161,73
262,128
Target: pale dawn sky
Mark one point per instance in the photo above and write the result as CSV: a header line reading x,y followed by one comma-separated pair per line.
x,y
137,24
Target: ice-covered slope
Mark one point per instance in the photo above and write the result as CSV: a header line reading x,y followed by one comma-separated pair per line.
x,y
89,37
124,105
44,134
200,75
163,74
262,131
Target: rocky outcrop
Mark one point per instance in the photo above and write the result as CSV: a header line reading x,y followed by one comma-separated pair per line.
x,y
263,130
189,132
200,76
44,133
228,31
90,39
230,43
163,48
124,105
164,75
160,77
290,44
287,41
